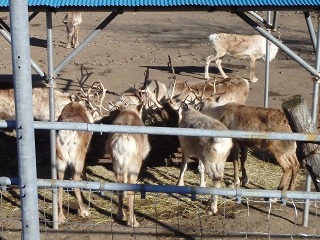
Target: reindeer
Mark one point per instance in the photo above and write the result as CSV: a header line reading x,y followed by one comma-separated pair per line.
x,y
152,94
238,46
72,146
212,152
223,90
71,151
128,152
40,98
211,93
72,20
246,118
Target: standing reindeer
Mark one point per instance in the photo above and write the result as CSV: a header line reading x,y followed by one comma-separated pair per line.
x,y
71,151
128,152
212,152
246,118
72,20
72,146
238,46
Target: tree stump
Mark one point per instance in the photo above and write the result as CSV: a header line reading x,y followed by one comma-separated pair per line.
x,y
300,121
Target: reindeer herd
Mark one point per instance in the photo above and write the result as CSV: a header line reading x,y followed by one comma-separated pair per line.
x,y
218,104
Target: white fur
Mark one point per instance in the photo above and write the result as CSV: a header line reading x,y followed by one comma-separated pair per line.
x,y
238,46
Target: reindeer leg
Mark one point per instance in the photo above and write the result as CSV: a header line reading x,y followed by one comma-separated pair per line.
x,y
183,169
76,36
214,198
83,209
120,213
132,221
295,168
209,60
218,62
69,37
253,77
202,174
233,157
243,159
61,170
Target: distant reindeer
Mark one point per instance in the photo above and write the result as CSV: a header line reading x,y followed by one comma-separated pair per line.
x,y
246,118
128,152
72,147
40,98
238,46
212,152
72,20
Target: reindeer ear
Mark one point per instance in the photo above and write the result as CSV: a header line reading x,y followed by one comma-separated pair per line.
x,y
218,99
140,107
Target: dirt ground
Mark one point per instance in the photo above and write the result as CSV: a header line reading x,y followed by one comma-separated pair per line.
x,y
118,57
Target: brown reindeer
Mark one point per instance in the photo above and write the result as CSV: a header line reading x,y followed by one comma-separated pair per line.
x,y
212,152
72,20
209,93
238,46
246,118
223,90
128,152
71,150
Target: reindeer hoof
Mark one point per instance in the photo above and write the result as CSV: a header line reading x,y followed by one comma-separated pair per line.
x,y
84,212
133,223
254,79
273,200
244,182
62,218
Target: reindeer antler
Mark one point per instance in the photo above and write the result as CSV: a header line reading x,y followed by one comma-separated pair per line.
x,y
174,76
170,66
146,77
95,95
192,91
84,78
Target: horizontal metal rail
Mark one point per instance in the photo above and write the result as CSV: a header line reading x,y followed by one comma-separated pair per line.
x,y
304,137
145,188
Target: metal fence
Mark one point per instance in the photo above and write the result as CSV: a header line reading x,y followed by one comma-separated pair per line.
x,y
165,212
182,212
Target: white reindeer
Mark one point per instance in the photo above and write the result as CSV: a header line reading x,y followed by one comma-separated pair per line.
x,y
238,46
72,20
128,152
72,147
246,118
212,152
40,98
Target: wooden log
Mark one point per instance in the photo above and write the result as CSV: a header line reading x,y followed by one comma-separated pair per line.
x,y
300,121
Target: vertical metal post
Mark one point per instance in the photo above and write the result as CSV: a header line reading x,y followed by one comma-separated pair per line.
x,y
310,29
51,82
267,67
314,115
18,12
